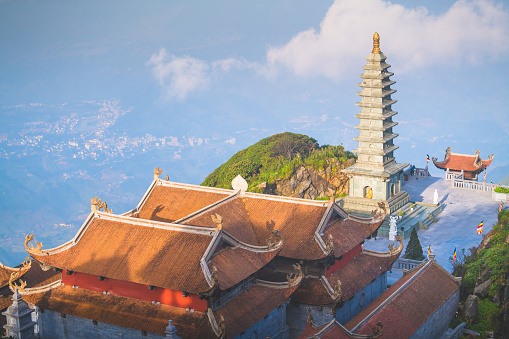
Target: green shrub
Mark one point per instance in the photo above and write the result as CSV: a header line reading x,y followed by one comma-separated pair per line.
x,y
502,190
488,320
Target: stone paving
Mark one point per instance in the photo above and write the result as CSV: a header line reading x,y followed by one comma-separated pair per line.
x,y
456,227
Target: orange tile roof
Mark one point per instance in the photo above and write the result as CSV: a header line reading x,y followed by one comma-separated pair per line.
x,y
235,264
251,219
349,233
296,221
146,255
6,271
250,307
36,277
458,162
235,221
424,290
354,276
123,311
170,203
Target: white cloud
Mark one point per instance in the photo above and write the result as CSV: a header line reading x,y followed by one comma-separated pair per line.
x,y
179,75
231,141
469,31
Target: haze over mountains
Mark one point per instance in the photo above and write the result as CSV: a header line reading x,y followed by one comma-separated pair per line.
x,y
94,96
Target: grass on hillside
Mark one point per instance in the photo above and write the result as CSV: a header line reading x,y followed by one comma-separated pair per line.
x,y
275,157
494,261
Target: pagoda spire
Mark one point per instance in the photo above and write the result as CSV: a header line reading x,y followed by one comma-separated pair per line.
x,y
376,43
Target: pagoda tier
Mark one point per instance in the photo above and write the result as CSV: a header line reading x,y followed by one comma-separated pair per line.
x,y
376,175
470,165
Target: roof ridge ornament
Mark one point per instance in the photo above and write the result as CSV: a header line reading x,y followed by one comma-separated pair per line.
x,y
32,249
275,239
218,220
96,205
376,43
14,276
239,183
329,245
294,277
157,173
338,291
399,248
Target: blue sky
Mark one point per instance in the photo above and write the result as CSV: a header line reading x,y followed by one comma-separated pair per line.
x,y
229,73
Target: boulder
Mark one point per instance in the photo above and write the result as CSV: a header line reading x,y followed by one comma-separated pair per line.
x,y
471,309
482,289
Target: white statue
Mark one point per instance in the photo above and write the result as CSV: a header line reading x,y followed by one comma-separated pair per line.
x,y
435,197
393,231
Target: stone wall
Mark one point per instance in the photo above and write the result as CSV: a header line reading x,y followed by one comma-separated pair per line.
x,y
54,325
272,326
438,323
362,299
297,313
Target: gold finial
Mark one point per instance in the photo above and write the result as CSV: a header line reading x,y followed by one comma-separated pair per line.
x,y
376,43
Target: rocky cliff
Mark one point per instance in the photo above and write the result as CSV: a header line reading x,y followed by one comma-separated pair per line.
x,y
309,182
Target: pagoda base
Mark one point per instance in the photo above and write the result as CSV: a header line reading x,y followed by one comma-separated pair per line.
x,y
366,205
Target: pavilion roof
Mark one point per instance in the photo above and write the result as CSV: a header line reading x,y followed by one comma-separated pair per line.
x,y
406,305
465,162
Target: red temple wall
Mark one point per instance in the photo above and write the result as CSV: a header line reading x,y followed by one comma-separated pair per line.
x,y
347,257
133,290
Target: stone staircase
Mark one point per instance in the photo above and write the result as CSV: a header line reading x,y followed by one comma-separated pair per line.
x,y
421,217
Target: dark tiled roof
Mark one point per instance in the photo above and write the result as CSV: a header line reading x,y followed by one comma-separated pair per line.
x,y
122,311
145,255
251,306
464,162
426,289
354,276
36,277
169,203
235,264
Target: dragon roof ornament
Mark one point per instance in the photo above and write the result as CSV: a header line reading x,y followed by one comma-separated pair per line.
x,y
218,220
32,249
157,173
294,277
13,285
399,248
96,205
275,240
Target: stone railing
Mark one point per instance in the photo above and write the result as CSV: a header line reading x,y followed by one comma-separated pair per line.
x,y
406,264
472,185
453,175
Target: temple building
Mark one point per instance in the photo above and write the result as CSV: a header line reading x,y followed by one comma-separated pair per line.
x,y
468,166
199,262
421,304
376,176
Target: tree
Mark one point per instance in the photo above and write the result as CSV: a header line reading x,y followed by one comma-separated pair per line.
x,y
289,146
414,248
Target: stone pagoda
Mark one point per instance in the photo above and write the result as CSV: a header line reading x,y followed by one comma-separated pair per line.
x,y
376,177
